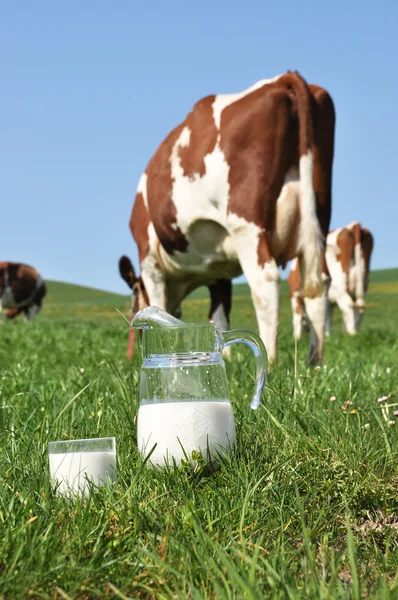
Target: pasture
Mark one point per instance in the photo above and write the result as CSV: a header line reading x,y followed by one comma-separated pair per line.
x,y
306,507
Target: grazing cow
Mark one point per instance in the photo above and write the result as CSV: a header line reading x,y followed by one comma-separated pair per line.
x,y
242,184
348,253
21,290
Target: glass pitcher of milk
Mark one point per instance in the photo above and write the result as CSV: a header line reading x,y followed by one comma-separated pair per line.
x,y
184,403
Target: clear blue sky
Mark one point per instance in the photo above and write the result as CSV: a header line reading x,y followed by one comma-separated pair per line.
x,y
89,89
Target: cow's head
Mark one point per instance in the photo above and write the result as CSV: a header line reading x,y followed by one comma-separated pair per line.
x,y
140,297
349,313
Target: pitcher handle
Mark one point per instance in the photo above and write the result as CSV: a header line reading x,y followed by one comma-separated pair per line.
x,y
251,339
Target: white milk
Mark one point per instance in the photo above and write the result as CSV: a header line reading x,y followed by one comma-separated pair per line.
x,y
71,469
193,425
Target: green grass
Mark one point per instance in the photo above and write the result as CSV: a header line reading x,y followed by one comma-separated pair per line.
x,y
305,508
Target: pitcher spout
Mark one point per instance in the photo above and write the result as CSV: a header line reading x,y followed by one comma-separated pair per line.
x,y
152,317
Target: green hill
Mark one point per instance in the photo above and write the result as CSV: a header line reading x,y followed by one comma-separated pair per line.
x,y
60,293
69,294
68,301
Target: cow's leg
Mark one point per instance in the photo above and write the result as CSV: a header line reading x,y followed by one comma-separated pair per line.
x,y
346,305
220,307
1,312
315,309
154,281
263,277
329,317
339,295
358,316
296,300
31,312
176,291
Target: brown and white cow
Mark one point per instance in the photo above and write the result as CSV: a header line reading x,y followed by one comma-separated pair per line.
x,y
243,184
348,253
21,290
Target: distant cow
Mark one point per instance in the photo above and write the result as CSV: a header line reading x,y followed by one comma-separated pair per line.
x,y
242,184
348,253
21,290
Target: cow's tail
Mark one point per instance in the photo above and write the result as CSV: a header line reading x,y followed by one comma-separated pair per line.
x,y
126,271
359,266
311,237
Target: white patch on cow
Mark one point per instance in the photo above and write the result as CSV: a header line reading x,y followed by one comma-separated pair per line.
x,y
195,197
287,220
142,189
352,225
152,274
360,275
315,309
201,215
223,100
340,284
347,307
331,241
294,265
310,231
263,281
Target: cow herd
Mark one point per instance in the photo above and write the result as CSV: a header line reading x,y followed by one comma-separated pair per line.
x,y
242,185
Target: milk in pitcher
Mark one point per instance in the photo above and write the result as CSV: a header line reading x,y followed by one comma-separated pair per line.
x,y
179,428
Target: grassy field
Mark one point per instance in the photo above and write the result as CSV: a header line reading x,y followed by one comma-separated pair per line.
x,y
305,508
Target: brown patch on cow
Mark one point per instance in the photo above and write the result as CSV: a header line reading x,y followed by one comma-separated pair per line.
x,y
367,248
259,139
345,242
203,138
263,135
159,194
324,118
263,250
139,299
356,232
294,280
139,223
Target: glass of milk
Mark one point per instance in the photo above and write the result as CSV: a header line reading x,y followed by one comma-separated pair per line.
x,y
184,398
73,463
